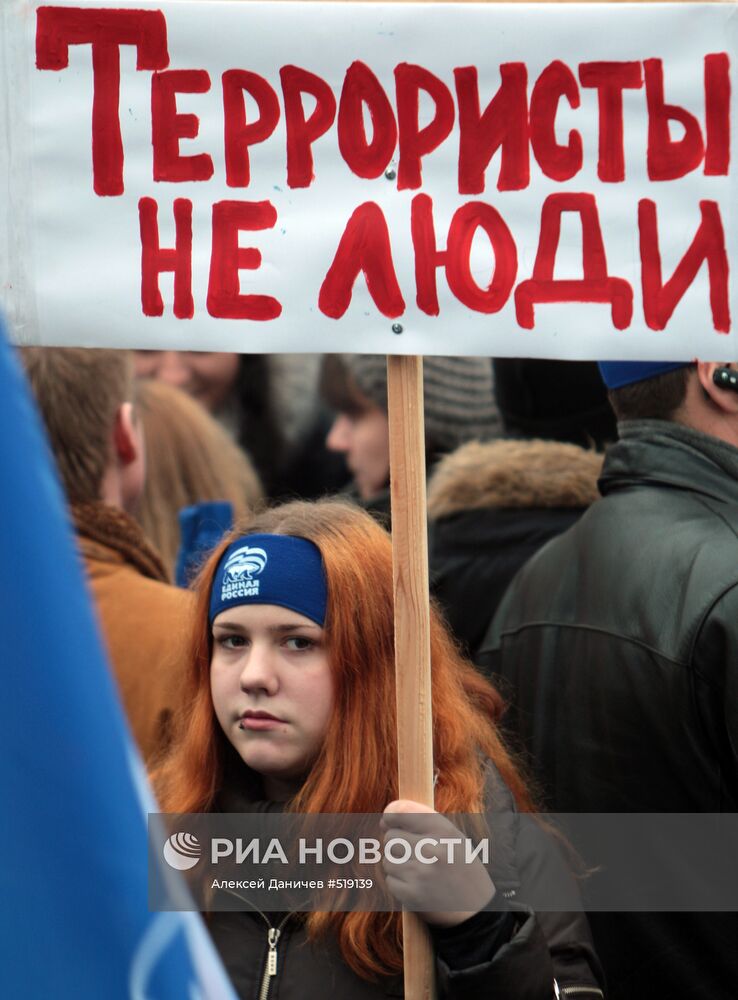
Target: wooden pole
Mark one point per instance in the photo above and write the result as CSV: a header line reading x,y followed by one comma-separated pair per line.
x,y
412,628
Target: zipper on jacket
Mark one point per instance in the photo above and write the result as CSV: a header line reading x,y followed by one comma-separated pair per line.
x,y
270,967
273,936
562,992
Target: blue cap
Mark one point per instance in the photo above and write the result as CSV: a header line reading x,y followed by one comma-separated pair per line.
x,y
271,569
618,373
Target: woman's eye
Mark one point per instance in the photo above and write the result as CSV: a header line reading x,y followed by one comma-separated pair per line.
x,y
298,643
231,641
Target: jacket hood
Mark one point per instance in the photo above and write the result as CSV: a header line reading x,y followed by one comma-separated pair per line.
x,y
513,474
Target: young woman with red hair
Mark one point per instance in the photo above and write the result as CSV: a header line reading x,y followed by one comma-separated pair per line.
x,y
291,700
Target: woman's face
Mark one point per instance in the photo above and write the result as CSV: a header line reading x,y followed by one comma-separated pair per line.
x,y
208,376
272,691
364,440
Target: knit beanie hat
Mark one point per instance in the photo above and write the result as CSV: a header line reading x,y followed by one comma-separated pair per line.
x,y
554,400
458,395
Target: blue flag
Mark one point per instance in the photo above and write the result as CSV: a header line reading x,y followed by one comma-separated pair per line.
x,y
73,842
201,527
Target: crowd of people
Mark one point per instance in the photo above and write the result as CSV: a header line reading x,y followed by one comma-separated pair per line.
x,y
583,545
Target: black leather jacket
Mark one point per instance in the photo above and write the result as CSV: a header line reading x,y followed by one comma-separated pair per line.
x,y
618,647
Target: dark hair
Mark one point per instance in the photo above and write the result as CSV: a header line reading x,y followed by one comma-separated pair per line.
x,y
655,398
339,388
554,400
259,433
79,391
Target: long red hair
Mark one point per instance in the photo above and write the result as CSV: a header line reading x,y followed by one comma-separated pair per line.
x,y
356,770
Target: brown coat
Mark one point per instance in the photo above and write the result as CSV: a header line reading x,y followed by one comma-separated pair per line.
x,y
144,620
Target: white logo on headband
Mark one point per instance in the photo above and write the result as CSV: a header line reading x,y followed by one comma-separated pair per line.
x,y
238,573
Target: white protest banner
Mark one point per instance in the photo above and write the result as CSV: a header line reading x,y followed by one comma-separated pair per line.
x,y
543,180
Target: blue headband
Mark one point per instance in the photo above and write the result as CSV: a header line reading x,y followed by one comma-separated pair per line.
x,y
618,373
271,569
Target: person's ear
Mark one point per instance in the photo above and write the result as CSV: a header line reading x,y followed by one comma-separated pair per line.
x,y
719,380
126,436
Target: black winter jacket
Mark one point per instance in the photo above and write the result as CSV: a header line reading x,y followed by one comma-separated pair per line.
x,y
492,505
618,646
545,952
